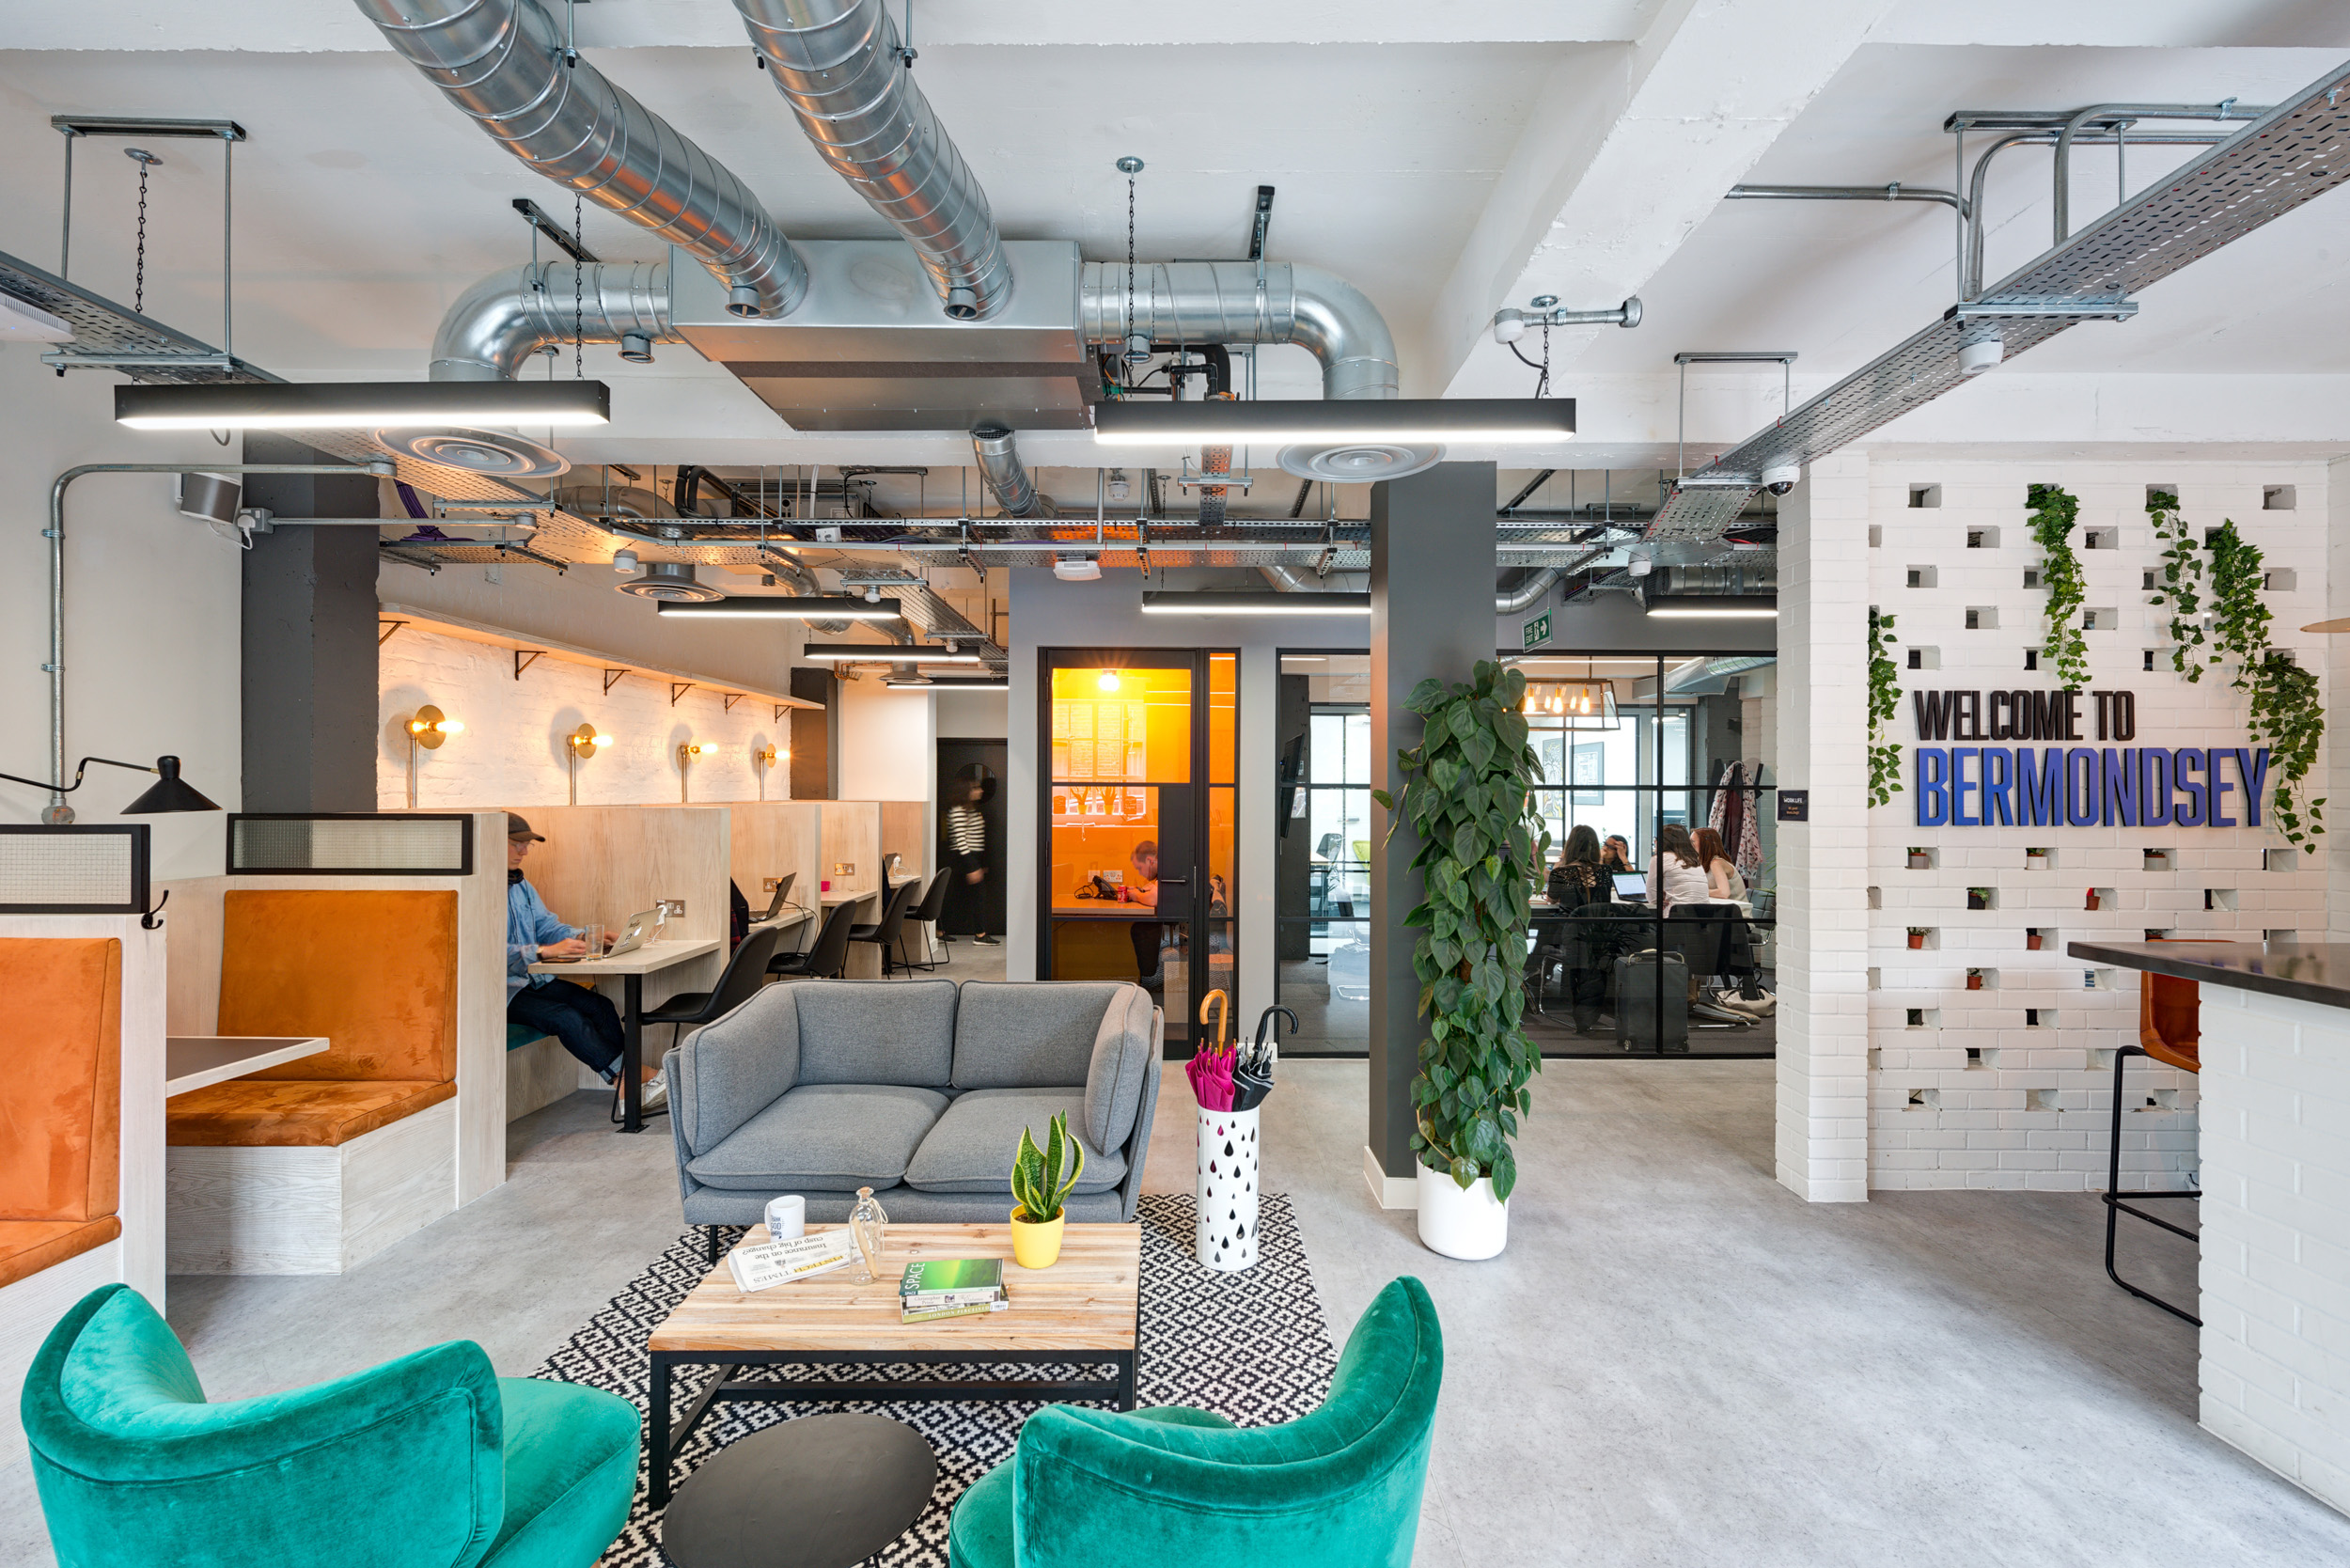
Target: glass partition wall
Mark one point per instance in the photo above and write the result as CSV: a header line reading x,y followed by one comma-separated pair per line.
x,y
1631,745
1140,839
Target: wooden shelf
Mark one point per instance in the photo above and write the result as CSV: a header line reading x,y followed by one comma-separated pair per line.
x,y
498,636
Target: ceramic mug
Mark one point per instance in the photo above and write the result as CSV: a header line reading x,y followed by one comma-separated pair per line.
x,y
787,1217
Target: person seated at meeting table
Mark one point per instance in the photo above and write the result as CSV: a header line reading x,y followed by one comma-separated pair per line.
x,y
1724,883
1577,882
1146,934
581,1017
1676,875
1615,858
1579,876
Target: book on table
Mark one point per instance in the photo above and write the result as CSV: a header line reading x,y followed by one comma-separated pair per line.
x,y
936,1288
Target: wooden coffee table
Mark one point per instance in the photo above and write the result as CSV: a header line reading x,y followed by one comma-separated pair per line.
x,y
1085,1309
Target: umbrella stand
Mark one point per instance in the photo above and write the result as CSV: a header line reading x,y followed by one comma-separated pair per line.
x,y
1226,1189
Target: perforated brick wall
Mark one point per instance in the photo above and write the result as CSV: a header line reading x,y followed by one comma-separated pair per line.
x,y
2008,1083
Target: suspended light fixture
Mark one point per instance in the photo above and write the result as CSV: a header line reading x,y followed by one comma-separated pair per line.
x,y
1714,607
1587,703
884,652
1257,604
1491,421
355,405
830,606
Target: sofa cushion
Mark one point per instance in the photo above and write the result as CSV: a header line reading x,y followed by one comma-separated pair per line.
x,y
970,1150
737,1067
61,1101
29,1245
823,1138
877,1031
250,1113
372,970
1124,1053
1028,1034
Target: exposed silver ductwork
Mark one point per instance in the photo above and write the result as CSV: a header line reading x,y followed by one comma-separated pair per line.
x,y
1000,462
1248,302
837,63
1528,593
502,63
498,323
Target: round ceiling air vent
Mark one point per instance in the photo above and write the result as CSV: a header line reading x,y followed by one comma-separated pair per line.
x,y
673,581
495,452
1360,461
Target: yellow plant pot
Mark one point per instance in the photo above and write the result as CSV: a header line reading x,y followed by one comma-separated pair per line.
x,y
1034,1245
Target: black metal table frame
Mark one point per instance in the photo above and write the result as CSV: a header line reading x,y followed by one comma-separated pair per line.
x,y
668,1441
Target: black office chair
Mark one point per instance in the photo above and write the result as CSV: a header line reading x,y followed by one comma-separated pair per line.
x,y
743,974
886,931
932,905
826,957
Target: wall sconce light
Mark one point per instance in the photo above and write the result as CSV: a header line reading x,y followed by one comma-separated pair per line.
x,y
764,757
686,752
580,743
428,728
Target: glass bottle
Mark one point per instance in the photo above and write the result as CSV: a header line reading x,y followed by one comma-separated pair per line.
x,y
864,1227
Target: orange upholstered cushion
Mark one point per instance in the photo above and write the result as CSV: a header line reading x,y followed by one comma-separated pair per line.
x,y
373,970
29,1245
61,1088
247,1113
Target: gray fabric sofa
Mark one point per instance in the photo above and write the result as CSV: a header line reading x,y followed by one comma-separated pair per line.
x,y
917,1088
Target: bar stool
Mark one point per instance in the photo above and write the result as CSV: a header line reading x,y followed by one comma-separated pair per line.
x,y
2170,1030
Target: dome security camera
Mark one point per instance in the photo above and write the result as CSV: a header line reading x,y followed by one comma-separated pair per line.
x,y
1780,477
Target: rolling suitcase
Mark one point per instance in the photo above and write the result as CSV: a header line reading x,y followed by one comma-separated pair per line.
x,y
1639,1026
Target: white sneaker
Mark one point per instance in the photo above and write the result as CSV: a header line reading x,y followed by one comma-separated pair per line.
x,y
655,1094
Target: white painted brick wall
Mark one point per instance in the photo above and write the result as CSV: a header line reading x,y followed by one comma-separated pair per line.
x,y
2275,1236
2032,1106
512,753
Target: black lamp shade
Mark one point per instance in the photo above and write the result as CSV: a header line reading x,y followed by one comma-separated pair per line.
x,y
170,792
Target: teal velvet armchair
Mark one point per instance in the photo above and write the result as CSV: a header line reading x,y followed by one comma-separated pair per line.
x,y
430,1461
1337,1489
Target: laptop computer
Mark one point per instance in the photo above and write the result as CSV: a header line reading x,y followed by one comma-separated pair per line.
x,y
783,895
635,934
1631,884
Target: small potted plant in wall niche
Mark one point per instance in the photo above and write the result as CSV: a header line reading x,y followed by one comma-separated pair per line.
x,y
1467,796
1918,937
1038,1185
1919,860
1978,897
1974,979
2032,939
2035,859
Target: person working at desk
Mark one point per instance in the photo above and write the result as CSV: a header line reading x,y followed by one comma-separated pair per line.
x,y
581,1017
1145,933
1616,858
1677,877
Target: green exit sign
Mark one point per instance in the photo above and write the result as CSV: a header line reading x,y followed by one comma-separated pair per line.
x,y
1538,630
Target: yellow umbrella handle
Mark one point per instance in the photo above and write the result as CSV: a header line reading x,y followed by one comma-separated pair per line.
x,y
1223,1006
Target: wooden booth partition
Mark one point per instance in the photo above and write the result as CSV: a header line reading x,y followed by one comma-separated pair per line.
x,y
906,831
773,838
605,863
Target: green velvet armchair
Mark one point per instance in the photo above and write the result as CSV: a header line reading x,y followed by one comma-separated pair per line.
x,y
430,1461
1337,1489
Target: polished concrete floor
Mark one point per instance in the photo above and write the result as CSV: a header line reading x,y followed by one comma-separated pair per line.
x,y
1675,1362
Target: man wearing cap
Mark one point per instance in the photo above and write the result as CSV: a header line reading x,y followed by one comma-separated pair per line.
x,y
582,1019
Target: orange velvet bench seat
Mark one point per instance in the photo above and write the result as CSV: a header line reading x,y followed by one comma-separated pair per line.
x,y
29,1245
257,1113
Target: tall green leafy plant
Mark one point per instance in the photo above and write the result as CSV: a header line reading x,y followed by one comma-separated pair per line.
x,y
1885,702
1466,794
2054,510
2284,712
2182,574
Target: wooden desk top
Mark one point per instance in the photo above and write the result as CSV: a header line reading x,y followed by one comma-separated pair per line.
x,y
643,961
1086,1301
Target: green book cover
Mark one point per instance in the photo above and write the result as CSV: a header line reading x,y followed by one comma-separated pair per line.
x,y
931,1275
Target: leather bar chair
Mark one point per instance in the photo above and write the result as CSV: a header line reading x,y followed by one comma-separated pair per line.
x,y
827,956
2170,1031
885,932
744,973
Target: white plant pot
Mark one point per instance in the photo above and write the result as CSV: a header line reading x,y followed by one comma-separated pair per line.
x,y
1226,1190
1469,1225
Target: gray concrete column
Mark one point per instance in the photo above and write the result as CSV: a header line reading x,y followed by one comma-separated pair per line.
x,y
309,675
1432,614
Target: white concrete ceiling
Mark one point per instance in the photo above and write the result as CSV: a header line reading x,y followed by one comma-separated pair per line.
x,y
1449,158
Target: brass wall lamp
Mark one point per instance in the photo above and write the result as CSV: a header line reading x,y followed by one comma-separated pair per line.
x,y
430,728
579,746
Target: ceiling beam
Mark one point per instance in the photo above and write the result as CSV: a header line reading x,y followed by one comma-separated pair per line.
x,y
1631,148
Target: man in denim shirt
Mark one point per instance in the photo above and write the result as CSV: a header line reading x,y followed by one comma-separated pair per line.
x,y
579,1016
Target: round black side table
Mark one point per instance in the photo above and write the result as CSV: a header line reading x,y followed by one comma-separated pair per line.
x,y
817,1492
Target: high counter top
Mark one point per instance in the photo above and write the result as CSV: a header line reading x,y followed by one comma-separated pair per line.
x,y
2314,972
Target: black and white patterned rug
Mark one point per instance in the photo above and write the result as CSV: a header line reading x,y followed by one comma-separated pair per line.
x,y
1250,1346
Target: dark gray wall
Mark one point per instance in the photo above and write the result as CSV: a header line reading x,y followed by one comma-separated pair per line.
x,y
308,641
1432,614
815,766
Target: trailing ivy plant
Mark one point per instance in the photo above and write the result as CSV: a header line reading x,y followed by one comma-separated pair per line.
x,y
2181,571
1885,701
2054,510
2285,714
1467,794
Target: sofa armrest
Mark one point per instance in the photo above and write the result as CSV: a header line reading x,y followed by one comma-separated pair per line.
x,y
729,1071
1139,1143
